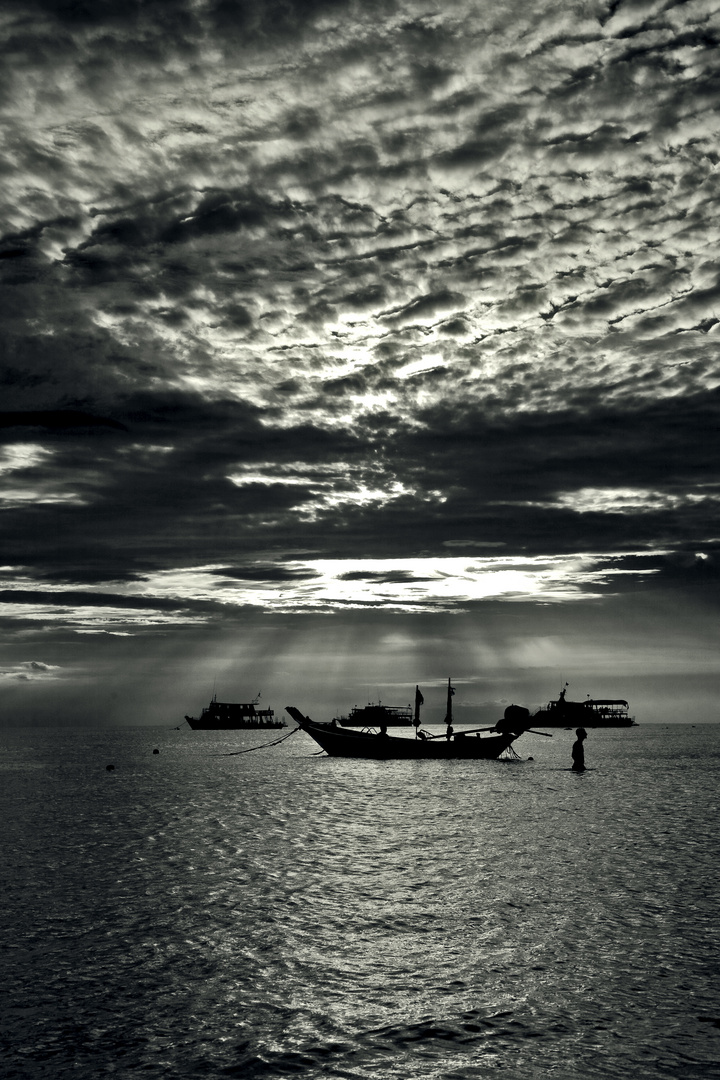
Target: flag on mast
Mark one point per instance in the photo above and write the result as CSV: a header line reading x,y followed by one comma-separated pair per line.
x,y
448,714
419,700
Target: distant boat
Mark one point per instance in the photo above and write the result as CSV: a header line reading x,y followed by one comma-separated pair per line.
x,y
375,715
338,741
231,716
593,713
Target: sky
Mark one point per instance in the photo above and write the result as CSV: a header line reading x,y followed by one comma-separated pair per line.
x,y
349,346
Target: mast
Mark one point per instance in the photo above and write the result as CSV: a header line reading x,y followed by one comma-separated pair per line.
x,y
448,714
419,700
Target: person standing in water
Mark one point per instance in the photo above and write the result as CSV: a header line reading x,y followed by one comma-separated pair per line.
x,y
578,750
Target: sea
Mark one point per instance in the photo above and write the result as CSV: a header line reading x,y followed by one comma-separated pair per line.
x,y
199,912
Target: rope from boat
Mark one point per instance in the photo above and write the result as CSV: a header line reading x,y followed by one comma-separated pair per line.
x,y
277,742
512,754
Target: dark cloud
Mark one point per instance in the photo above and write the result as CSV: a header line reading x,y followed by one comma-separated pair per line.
x,y
265,573
271,19
57,418
654,445
85,569
71,598
428,307
395,577
698,570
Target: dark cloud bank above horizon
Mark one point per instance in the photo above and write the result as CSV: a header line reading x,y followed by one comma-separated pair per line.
x,y
325,307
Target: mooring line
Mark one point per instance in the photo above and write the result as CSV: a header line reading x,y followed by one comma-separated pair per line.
x,y
234,753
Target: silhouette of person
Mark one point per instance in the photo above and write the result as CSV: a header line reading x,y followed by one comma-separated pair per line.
x,y
382,734
578,750
449,732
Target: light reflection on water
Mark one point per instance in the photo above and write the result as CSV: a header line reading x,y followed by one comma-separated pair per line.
x,y
279,913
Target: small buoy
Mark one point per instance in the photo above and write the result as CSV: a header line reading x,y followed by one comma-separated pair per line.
x,y
531,759
156,751
110,768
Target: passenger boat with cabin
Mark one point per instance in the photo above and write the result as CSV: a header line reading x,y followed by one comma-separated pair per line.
x,y
234,716
375,715
592,713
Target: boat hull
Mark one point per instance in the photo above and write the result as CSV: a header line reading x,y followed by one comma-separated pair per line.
x,y
547,720
215,723
341,742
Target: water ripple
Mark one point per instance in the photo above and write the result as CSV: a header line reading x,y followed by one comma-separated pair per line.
x,y
281,914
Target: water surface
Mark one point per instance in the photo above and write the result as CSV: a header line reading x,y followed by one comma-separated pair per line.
x,y
284,914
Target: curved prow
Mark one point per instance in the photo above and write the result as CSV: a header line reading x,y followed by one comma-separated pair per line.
x,y
296,715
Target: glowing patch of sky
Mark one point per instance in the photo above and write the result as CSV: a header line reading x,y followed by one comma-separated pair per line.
x,y
631,500
22,456
416,367
100,617
332,486
433,584
409,583
35,488
16,497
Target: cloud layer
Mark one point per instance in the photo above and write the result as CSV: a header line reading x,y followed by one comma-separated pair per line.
x,y
293,291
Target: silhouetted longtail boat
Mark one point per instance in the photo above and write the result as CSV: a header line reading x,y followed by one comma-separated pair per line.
x,y
378,745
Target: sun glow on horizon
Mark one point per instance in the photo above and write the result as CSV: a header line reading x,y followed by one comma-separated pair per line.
x,y
196,594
